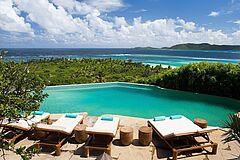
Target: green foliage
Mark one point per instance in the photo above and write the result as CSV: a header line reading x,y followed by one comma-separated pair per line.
x,y
77,71
25,153
21,92
233,124
210,78
22,84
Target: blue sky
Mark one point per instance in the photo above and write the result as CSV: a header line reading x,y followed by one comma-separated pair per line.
x,y
118,23
196,11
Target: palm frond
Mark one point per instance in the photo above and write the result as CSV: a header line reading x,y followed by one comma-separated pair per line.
x,y
233,123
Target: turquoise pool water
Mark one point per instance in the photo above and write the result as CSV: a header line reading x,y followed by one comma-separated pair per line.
x,y
138,101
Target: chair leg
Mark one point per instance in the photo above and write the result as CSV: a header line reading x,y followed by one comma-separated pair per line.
x,y
58,150
214,148
108,151
86,151
37,145
48,120
175,154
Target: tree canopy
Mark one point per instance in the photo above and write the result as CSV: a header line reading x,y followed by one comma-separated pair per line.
x,y
21,92
209,78
74,71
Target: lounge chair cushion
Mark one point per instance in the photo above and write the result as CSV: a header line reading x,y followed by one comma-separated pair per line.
x,y
38,113
169,128
107,118
175,116
33,119
159,118
104,127
71,115
63,125
25,124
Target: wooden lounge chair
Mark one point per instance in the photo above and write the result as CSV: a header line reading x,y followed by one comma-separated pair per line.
x,y
182,135
15,129
58,132
101,135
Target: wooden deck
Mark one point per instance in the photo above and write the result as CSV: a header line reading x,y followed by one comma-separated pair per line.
x,y
71,150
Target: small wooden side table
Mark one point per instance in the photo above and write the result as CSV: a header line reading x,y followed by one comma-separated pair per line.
x,y
80,133
126,135
201,122
145,135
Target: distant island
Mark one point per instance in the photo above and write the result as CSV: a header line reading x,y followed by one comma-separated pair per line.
x,y
203,46
145,48
193,46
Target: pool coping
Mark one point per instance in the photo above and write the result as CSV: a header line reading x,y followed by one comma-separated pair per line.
x,y
141,84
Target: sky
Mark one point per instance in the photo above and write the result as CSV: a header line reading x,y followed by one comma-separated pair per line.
x,y
117,23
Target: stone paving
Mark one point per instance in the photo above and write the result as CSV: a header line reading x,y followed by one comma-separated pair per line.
x,y
73,151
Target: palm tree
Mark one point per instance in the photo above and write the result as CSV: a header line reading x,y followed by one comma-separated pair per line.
x,y
233,124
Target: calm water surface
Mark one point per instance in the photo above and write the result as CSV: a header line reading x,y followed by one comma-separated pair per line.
x,y
152,57
137,100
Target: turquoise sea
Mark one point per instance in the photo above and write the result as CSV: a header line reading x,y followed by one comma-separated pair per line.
x,y
137,100
152,57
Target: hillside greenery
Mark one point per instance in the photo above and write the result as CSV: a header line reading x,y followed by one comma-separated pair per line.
x,y
77,71
203,46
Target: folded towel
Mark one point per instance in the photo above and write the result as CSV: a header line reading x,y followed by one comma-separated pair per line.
x,y
38,113
175,116
69,115
107,118
159,118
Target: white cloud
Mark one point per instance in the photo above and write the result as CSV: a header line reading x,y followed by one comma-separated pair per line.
x,y
86,6
10,20
105,5
214,14
186,25
54,20
74,7
236,36
60,26
120,21
139,11
237,22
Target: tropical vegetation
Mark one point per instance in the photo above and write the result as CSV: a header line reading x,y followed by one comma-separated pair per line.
x,y
233,123
73,71
22,83
21,92
209,78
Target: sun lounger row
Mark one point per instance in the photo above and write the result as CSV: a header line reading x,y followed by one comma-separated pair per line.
x,y
170,130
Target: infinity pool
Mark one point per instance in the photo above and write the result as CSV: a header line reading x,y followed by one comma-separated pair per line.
x,y
137,101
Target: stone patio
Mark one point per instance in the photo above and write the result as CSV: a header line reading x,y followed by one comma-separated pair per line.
x,y
71,150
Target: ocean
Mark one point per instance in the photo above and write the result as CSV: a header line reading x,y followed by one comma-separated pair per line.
x,y
174,58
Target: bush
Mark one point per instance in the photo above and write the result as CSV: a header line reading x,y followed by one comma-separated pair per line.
x,y
21,92
210,78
